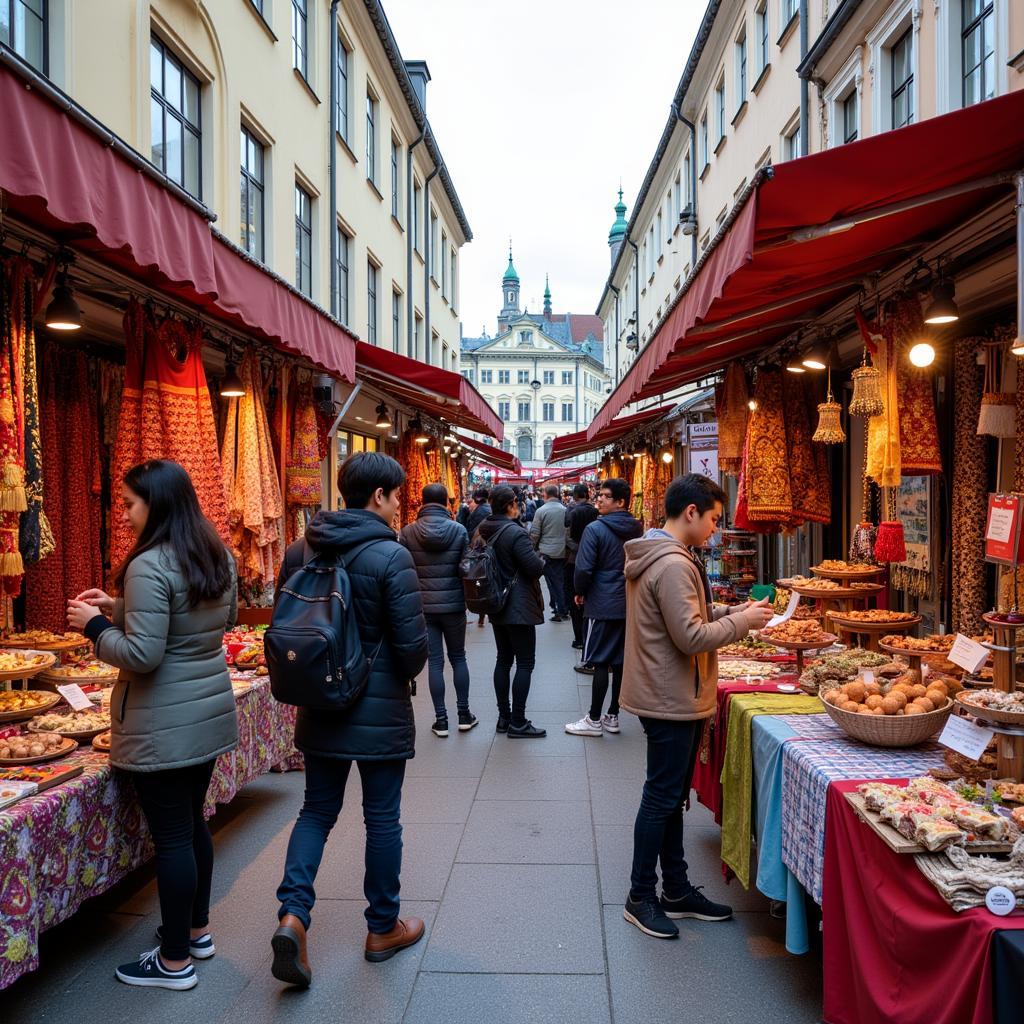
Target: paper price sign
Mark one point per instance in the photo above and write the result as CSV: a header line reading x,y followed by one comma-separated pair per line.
x,y
968,653
963,736
74,695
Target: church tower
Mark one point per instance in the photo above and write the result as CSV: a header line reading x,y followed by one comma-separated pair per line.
x,y
617,235
510,295
547,298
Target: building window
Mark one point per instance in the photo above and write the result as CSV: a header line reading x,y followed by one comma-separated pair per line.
x,y
416,204
704,151
342,86
371,303
454,279
468,374
788,10
678,193
525,414
341,282
522,376
741,68
687,173
978,48
504,376
720,111
300,39
549,376
850,119
418,337
524,448
549,412
303,241
433,244
371,139
567,412
394,178
396,320
567,377
486,376
660,234
252,195
23,27
902,57
791,143
444,264
505,411
548,443
761,22
175,133
651,255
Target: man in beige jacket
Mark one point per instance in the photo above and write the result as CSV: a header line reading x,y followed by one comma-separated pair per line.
x,y
670,677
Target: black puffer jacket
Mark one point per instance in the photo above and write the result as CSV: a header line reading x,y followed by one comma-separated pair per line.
x,y
476,517
577,519
599,575
386,596
516,553
437,544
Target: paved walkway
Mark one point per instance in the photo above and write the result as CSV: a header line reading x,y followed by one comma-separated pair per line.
x,y
517,856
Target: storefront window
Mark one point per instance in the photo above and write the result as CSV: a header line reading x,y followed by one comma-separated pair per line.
x,y
175,134
347,443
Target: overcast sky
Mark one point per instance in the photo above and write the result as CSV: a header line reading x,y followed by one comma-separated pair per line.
x,y
539,109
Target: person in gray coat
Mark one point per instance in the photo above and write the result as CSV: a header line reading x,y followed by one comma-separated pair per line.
x,y
547,531
437,544
172,711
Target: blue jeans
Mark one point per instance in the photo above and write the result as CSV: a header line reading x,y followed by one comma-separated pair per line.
x,y
447,631
325,793
658,831
554,571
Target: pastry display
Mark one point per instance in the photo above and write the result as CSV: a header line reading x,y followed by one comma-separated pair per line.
x,y
70,722
994,700
26,747
742,669
250,656
878,615
833,668
43,639
101,743
1018,817
813,583
837,565
1012,792
934,643
17,661
27,702
806,631
897,699
82,670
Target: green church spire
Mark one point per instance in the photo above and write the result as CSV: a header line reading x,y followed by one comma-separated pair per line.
x,y
510,273
618,231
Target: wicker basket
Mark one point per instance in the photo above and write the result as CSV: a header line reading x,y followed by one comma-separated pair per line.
x,y
890,730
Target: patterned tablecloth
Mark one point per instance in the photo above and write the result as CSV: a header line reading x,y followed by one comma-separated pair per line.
x,y
808,768
78,839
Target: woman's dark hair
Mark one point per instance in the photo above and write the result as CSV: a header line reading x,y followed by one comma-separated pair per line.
x,y
617,488
361,474
502,499
692,489
176,519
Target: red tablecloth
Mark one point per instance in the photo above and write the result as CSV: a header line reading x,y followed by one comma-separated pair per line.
x,y
707,773
893,949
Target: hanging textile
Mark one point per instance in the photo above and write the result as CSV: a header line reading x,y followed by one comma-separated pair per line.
x,y
970,491
919,432
255,507
732,411
14,326
166,413
303,476
808,485
884,429
768,489
417,476
70,430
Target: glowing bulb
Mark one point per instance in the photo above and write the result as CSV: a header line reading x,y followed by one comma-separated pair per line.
x,y
752,405
666,457
922,354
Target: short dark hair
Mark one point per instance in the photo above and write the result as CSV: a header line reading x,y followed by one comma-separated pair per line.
x,y
480,495
435,494
581,491
551,491
361,474
617,488
502,499
692,489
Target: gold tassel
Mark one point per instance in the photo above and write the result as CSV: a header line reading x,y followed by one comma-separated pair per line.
x,y
11,564
13,500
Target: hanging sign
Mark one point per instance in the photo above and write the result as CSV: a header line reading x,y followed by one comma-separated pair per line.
x,y
704,430
1004,538
704,461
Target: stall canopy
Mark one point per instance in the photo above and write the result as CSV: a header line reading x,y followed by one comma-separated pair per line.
x,y
68,180
812,229
570,476
568,446
440,394
491,456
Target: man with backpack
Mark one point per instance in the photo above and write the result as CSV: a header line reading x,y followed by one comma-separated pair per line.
x,y
353,550
547,531
437,545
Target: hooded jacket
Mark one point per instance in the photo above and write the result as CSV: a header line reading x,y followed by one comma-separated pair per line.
x,y
600,562
670,669
437,544
389,611
517,558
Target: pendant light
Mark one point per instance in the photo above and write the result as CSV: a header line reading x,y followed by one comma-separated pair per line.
x,y
867,389
383,419
63,314
815,358
922,354
830,427
420,436
231,386
942,309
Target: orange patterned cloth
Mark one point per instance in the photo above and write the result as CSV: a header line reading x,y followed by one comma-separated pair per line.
x,y
808,485
732,412
884,463
769,495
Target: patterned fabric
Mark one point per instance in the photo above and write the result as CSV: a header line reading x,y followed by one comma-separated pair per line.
x,y
303,467
78,839
766,469
919,431
732,412
884,465
807,769
970,491
812,499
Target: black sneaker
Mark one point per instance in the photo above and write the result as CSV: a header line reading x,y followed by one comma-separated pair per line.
x,y
149,972
587,670
440,727
557,618
201,948
502,725
695,905
467,720
577,645
648,916
526,731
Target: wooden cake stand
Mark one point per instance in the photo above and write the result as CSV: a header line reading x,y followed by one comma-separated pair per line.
x,y
871,631
799,647
1010,742
840,599
849,575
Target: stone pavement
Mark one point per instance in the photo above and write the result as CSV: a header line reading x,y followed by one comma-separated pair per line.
x,y
516,855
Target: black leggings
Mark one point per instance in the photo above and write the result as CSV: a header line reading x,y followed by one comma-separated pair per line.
x,y
518,644
172,802
600,690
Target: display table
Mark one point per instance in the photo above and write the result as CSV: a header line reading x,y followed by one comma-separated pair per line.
x,y
894,950
83,836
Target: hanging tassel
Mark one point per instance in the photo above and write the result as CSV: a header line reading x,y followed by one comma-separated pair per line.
x,y
890,544
867,389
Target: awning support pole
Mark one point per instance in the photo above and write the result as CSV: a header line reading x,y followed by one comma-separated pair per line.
x,y
343,412
1018,345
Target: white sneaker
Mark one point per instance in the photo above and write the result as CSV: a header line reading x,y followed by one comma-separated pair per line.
x,y
611,723
584,727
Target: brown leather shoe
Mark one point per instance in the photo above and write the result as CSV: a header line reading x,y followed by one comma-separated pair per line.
x,y
291,965
383,947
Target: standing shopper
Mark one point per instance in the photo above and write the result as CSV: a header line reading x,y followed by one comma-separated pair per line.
x,y
673,632
480,509
577,519
600,581
515,626
437,545
377,731
547,531
172,710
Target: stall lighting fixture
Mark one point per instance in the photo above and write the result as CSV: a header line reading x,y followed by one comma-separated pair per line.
x,y
922,354
815,359
231,386
752,405
63,314
795,368
420,436
667,456
1017,348
383,419
942,309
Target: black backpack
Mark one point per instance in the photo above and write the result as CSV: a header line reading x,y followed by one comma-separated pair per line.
x,y
314,655
483,581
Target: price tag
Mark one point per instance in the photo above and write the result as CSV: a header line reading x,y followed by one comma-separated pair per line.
x,y
1000,900
867,676
968,654
75,696
963,736
1000,525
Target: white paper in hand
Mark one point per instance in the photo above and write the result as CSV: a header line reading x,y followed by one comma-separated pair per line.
x,y
794,600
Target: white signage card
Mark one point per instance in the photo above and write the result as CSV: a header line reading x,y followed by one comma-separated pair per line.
x,y
1000,900
794,600
968,653
867,675
704,429
75,696
1000,525
963,736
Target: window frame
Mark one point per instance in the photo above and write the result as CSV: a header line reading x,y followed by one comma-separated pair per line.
x,y
44,26
570,382
396,178
881,40
167,55
547,412
568,411
847,81
417,204
528,406
988,13
704,152
342,273
741,52
300,46
505,377
444,264
342,106
372,301
303,234
522,376
249,183
720,116
905,87
396,319
487,376
372,106
763,28
505,410
548,377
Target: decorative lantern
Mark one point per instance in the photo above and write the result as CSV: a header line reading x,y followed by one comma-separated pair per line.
x,y
867,389
998,415
830,428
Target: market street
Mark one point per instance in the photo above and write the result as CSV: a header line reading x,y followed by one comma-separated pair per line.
x,y
517,857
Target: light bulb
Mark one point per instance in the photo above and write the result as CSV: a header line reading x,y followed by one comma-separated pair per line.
x,y
752,405
666,457
922,354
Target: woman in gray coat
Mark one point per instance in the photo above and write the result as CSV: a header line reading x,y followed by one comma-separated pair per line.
x,y
172,711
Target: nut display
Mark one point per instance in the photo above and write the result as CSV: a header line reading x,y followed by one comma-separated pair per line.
x,y
997,700
837,565
70,721
742,669
748,647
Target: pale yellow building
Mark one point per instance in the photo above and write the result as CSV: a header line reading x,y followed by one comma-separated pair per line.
x,y
245,104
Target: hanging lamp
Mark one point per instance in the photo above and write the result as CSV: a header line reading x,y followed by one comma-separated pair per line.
x,y
867,389
231,386
830,427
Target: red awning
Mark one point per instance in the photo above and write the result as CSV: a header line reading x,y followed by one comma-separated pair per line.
x,y
569,445
808,235
491,456
59,176
570,476
440,394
